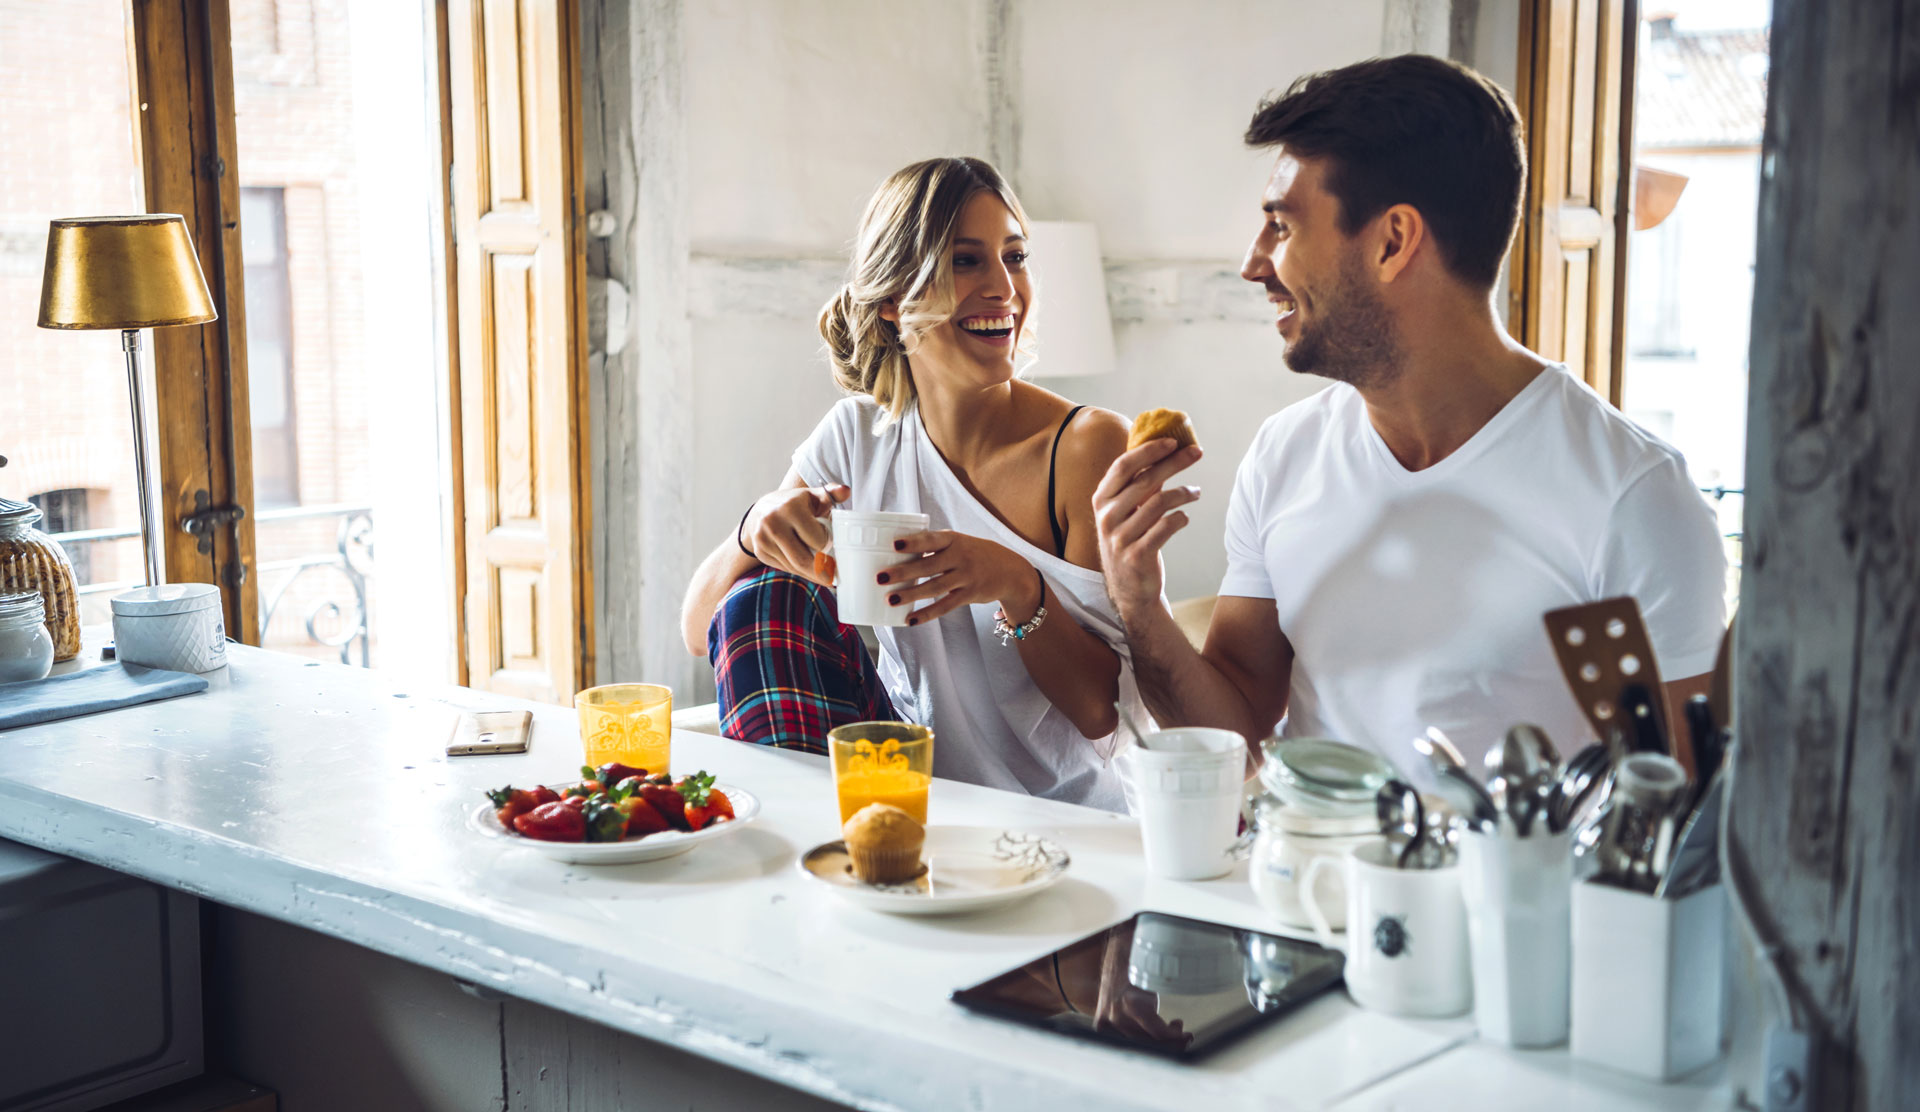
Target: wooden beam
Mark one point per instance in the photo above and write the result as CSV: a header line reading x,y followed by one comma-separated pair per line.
x,y
1823,819
184,73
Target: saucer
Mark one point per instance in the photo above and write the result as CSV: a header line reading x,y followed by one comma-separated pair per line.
x,y
967,868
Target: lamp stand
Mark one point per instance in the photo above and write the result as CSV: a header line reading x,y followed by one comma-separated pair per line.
x,y
130,343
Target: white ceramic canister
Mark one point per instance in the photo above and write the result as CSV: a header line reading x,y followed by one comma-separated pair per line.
x,y
26,648
176,626
1285,843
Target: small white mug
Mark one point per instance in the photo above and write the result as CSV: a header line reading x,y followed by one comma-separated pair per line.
x,y
862,549
1406,934
1186,785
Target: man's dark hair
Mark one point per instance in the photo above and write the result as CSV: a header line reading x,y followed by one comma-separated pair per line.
x,y
1416,130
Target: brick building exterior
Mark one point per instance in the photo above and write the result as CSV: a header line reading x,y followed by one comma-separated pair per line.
x,y
67,148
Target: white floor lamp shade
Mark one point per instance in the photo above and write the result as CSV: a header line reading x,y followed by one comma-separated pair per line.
x,y
1073,331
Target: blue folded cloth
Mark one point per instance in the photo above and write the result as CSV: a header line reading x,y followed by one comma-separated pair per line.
x,y
90,690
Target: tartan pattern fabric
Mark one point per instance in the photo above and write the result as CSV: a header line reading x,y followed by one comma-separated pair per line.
x,y
786,669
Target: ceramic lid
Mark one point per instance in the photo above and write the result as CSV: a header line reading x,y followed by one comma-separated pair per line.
x,y
167,598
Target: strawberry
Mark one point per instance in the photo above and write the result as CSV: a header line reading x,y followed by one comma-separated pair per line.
x,y
671,804
642,819
553,822
719,804
544,794
510,803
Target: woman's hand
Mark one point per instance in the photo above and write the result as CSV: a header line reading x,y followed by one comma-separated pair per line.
x,y
785,528
957,570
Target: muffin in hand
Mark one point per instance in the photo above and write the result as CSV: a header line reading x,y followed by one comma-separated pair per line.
x,y
1157,423
884,843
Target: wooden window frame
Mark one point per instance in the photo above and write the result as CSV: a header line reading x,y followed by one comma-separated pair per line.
x,y
183,73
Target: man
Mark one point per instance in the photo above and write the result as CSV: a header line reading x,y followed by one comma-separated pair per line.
x,y
1393,541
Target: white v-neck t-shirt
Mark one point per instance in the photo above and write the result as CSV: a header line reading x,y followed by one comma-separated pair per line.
x,y
991,725
1415,598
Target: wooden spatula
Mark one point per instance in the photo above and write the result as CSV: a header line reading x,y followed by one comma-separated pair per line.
x,y
1604,653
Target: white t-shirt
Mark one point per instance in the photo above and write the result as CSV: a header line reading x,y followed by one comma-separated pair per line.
x,y
1415,598
991,725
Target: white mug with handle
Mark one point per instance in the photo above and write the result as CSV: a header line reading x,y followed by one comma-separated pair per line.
x,y
1406,934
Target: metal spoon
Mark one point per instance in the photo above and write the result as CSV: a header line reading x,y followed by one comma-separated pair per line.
x,y
1454,782
1402,819
1495,764
1530,765
1580,779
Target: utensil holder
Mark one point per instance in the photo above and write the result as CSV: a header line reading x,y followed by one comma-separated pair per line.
x,y
1518,893
1647,979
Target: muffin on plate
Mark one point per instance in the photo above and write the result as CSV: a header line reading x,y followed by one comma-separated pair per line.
x,y
884,843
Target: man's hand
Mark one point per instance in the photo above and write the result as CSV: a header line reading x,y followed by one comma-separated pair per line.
x,y
787,527
957,570
1136,517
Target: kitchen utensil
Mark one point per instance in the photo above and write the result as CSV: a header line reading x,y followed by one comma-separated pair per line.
x,y
1402,820
1647,979
1602,647
1580,781
1638,703
1649,789
1454,783
1709,741
1494,761
1530,764
1696,858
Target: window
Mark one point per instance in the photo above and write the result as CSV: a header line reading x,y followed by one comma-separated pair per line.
x,y
263,244
65,511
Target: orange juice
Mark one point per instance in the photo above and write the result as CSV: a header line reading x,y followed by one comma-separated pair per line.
x,y
882,762
627,722
902,788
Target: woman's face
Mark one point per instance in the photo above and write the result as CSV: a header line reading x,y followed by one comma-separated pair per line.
x,y
993,293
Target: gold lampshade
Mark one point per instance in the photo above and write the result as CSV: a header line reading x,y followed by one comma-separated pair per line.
x,y
123,272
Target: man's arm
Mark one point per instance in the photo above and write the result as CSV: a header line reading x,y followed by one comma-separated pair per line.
x,y
1240,682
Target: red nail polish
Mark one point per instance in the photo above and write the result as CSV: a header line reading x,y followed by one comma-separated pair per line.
x,y
893,600
899,546
881,578
913,621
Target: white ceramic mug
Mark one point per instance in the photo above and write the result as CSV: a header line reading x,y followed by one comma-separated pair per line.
x,y
862,549
1406,934
1518,894
1186,785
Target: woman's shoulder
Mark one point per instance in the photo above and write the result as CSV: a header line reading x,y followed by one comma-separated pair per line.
x,y
1092,441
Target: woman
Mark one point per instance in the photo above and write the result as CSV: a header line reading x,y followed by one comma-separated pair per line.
x,y
924,337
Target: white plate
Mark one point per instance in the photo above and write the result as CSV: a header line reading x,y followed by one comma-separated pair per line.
x,y
967,868
653,847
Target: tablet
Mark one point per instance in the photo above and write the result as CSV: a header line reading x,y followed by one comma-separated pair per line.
x,y
1161,983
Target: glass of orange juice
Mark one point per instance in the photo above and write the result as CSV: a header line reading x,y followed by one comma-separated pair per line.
x,y
882,762
627,722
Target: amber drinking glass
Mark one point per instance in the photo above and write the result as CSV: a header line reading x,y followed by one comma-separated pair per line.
x,y
627,722
882,762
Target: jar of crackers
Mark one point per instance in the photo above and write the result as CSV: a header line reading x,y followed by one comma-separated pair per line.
x,y
32,561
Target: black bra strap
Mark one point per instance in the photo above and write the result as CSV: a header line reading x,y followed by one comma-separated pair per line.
x,y
1053,464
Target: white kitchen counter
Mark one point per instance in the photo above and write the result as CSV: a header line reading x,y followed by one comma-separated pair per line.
x,y
321,795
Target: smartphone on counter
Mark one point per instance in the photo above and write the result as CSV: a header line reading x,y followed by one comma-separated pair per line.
x,y
1161,983
477,732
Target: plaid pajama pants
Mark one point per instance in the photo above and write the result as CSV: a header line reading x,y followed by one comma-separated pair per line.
x,y
786,669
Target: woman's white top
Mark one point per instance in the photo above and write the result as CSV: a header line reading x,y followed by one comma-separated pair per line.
x,y
991,724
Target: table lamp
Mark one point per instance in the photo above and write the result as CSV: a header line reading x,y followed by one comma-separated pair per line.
x,y
1073,329
126,272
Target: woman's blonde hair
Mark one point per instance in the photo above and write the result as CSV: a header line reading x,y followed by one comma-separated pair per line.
x,y
903,255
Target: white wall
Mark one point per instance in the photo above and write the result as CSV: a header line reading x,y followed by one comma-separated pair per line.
x,y
1126,113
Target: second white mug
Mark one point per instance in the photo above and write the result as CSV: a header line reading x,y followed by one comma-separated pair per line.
x,y
1406,934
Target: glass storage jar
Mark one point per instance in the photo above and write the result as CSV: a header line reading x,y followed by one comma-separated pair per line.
x,y
26,649
1318,802
32,561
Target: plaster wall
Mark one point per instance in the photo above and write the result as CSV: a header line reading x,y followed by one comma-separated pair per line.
x,y
1126,114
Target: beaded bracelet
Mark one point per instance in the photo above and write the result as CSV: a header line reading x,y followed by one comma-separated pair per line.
x,y
1009,633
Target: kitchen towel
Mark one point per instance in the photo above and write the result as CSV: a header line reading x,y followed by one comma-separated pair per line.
x,y
90,690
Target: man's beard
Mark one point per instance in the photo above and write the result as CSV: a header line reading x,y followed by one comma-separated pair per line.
x,y
1351,339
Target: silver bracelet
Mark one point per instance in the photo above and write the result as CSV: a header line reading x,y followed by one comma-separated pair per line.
x,y
1009,633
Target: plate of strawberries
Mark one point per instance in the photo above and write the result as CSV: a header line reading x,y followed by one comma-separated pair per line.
x,y
616,815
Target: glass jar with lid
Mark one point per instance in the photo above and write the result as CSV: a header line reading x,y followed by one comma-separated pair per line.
x,y
32,561
1318,801
26,649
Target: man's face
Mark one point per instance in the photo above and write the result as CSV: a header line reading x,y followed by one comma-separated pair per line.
x,y
1331,315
